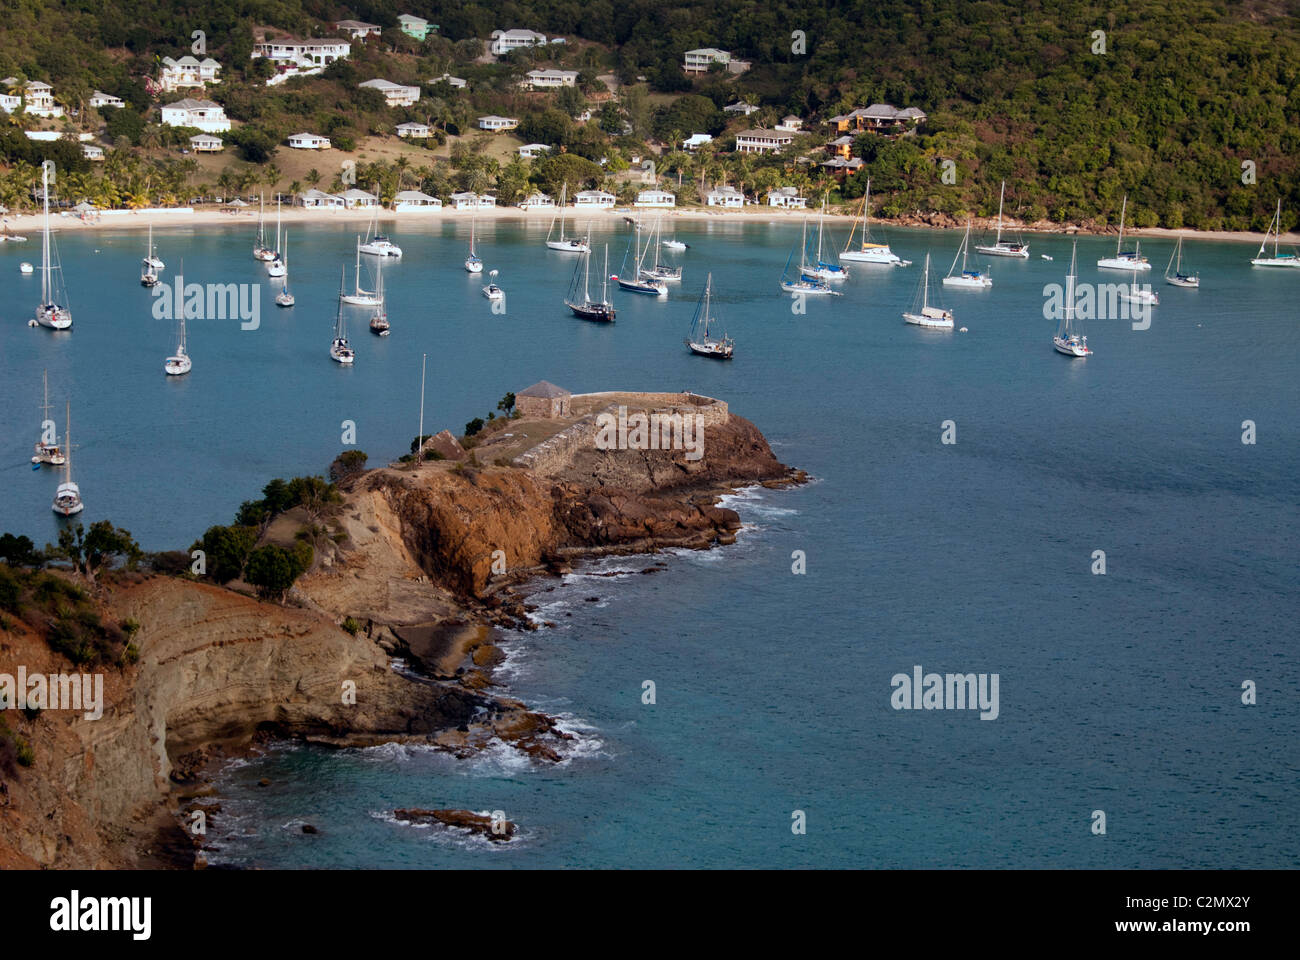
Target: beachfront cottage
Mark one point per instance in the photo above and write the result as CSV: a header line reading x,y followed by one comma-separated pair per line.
x,y
503,41
762,141
415,200
395,94
655,198
787,197
486,200
594,198
724,197
544,400
319,200
536,201
309,141
355,199
206,143
202,114
464,201
413,131
495,123
356,29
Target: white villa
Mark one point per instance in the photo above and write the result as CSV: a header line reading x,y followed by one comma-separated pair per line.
x,y
319,200
414,131
762,141
415,200
100,99
494,123
594,198
309,141
287,51
396,94
787,197
695,141
531,151
187,72
202,114
486,200
790,124
655,198
536,201
358,199
724,197
549,79
92,152
503,41
740,107
206,143
465,201
699,61
39,96
356,29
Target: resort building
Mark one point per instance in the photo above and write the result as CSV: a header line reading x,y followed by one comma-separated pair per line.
x,y
879,117
695,141
841,167
740,107
319,200
187,72
414,131
38,97
201,114
395,94
206,143
549,79
309,141
531,151
355,199
503,41
699,61
841,146
594,198
413,26
536,201
497,123
304,54
762,141
790,124
356,29
544,400
99,99
415,200
787,197
724,197
655,198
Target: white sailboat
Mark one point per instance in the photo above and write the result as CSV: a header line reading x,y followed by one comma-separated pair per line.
x,y
1278,259
376,244
359,297
565,244
379,320
472,263
340,349
967,279
1068,339
660,271
639,282
148,268
1125,259
928,316
47,451
492,291
50,313
1180,279
868,252
698,339
276,266
999,247
823,270
1136,294
284,298
67,495
179,364
805,282
260,250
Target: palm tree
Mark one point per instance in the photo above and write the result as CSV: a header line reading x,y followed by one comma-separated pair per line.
x,y
313,176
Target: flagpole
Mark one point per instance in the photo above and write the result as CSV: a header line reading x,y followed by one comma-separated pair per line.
x,y
419,441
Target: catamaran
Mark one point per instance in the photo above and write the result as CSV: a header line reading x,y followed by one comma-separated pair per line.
x,y
50,313
805,283
824,270
379,320
1068,340
276,267
1180,279
472,263
179,363
659,271
698,340
260,250
999,247
340,350
639,282
928,316
359,298
1278,259
376,244
284,298
870,252
969,279
600,311
1125,259
47,451
570,244
67,495
492,291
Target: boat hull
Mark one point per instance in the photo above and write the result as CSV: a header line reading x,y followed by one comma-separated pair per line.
x,y
360,300
931,323
714,351
1014,251
1070,348
56,319
568,246
595,312
812,290
178,366
474,266
1192,282
1123,263
968,283
647,287
1286,261
884,258
382,250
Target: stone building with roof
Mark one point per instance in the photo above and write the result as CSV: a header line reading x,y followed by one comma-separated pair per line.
x,y
544,400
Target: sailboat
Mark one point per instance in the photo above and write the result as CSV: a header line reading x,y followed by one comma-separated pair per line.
x,y
824,270
928,316
260,250
1125,259
698,340
806,283
51,452
1278,259
152,259
67,495
376,244
284,298
379,321
970,279
639,282
1000,247
179,363
276,267
659,271
360,297
492,291
50,313
601,311
1068,340
472,263
340,350
1180,279
1136,294
150,266
870,252
570,244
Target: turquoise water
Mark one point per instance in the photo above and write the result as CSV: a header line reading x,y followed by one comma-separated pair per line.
x,y
1119,693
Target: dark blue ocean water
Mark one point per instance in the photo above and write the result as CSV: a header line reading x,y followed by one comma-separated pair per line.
x,y
1119,693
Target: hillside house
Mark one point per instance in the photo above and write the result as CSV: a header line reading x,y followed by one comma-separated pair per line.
x,y
357,30
549,79
202,114
187,72
458,83
790,124
99,100
415,27
739,108
699,61
395,94
879,117
495,124
309,141
39,97
414,131
503,41
695,141
531,151
288,52
206,143
762,141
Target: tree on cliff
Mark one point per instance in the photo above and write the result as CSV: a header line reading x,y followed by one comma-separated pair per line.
x,y
90,551
226,550
272,570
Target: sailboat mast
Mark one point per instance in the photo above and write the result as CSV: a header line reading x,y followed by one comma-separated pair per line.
x,y
1119,244
604,279
67,442
419,443
45,240
1001,197
925,295
586,275
1069,291
821,224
